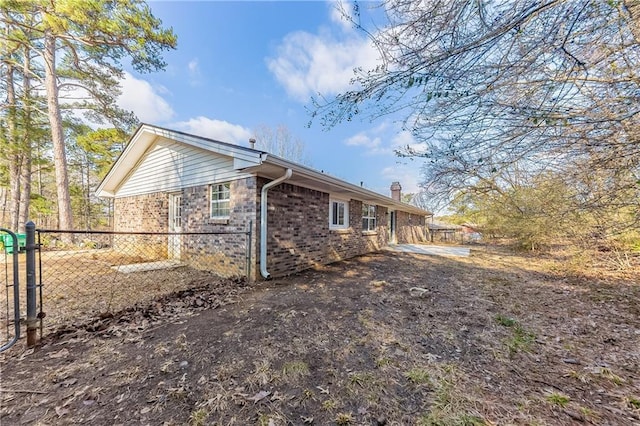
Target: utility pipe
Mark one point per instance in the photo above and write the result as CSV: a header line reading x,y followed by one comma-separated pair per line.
x,y
263,221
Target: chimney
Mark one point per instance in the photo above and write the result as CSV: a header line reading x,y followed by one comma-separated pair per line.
x,y
396,191
252,143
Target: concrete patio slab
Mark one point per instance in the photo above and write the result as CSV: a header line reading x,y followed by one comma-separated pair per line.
x,y
429,249
148,266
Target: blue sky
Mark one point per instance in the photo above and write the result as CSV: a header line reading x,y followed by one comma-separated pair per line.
x,y
240,65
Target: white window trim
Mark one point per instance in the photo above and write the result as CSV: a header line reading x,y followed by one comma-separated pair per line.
x,y
346,213
375,219
211,201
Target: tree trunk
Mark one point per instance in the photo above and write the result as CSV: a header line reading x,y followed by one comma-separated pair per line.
x,y
25,192
3,206
26,145
57,135
13,156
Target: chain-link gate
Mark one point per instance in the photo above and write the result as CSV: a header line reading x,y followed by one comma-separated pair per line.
x,y
10,306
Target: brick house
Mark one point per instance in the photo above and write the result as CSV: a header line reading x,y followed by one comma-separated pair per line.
x,y
169,181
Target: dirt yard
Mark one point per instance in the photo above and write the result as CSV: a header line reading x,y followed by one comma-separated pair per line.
x,y
383,339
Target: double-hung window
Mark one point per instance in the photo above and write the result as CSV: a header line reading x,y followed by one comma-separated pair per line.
x,y
220,196
338,214
368,217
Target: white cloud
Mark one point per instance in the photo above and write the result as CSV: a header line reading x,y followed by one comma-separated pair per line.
x,y
215,129
372,140
194,72
407,174
144,100
308,64
362,139
193,65
405,139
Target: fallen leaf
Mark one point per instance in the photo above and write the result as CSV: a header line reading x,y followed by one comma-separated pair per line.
x,y
63,353
322,390
259,396
69,382
60,411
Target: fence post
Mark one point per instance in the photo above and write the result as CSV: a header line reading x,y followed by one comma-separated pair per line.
x,y
32,319
248,251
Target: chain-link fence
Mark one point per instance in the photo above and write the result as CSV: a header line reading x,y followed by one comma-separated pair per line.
x,y
10,247
87,275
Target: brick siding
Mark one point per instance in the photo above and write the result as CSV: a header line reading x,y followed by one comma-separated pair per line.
x,y
300,238
298,227
150,213
411,228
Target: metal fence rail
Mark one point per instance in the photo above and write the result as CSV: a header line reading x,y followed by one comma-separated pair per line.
x,y
86,275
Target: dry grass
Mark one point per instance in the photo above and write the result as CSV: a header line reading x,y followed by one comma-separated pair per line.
x,y
496,339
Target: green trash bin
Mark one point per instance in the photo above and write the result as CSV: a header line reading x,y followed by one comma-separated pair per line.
x,y
7,242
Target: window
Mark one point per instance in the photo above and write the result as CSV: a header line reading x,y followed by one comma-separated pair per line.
x,y
368,217
220,194
338,214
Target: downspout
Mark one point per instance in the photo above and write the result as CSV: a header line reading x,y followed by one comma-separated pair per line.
x,y
263,221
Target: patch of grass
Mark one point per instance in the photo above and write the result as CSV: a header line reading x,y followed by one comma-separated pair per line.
x,y
578,376
433,419
451,401
166,366
383,362
263,420
520,341
632,402
161,349
418,376
181,341
608,374
344,419
307,395
294,370
329,404
270,419
218,402
505,321
558,399
262,374
198,417
588,413
364,380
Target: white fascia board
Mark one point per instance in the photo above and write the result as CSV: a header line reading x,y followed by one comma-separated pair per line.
x,y
357,192
126,161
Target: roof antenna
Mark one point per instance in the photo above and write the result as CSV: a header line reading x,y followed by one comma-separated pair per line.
x,y
252,143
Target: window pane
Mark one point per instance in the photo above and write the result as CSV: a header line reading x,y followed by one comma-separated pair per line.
x,y
220,196
340,213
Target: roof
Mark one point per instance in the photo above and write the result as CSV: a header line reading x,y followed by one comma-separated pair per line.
x,y
442,226
245,159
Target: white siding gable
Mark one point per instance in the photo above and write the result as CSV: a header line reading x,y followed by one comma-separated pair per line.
x,y
169,166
